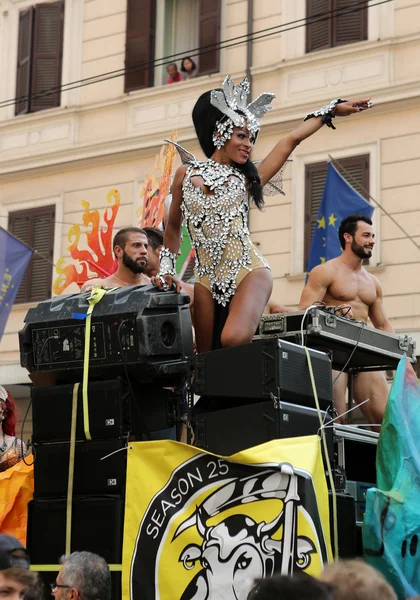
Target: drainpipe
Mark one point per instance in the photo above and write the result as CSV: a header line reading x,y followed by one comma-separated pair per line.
x,y
249,43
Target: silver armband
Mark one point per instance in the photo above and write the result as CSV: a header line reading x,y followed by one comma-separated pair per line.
x,y
167,262
326,112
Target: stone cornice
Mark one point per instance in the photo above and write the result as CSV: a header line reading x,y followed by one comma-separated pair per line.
x,y
387,99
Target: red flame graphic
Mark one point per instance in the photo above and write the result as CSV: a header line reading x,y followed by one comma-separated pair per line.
x,y
96,261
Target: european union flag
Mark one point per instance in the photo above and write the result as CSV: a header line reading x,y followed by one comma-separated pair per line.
x,y
339,200
14,258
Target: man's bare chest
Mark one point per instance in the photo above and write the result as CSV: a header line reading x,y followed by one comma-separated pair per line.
x,y
353,288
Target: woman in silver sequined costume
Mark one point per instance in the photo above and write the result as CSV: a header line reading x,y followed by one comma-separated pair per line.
x,y
212,196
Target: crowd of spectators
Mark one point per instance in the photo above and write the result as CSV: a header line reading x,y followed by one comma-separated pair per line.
x,y
86,576
82,576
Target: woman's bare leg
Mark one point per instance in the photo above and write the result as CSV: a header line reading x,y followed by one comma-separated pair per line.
x,y
203,318
246,307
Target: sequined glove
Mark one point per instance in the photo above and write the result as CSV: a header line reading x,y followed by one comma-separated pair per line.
x,y
167,266
326,112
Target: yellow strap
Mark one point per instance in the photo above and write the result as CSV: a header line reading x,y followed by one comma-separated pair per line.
x,y
96,296
58,567
71,468
327,458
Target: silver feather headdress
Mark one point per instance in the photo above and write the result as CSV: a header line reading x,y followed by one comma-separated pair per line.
x,y
231,100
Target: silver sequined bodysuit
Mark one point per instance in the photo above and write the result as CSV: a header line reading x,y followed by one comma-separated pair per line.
x,y
217,221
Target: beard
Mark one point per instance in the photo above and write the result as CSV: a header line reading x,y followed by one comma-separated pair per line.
x,y
133,265
360,251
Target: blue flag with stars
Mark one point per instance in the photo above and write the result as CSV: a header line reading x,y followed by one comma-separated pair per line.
x,y
14,258
339,200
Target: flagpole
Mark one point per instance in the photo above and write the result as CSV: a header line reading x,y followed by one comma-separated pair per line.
x,y
29,247
353,180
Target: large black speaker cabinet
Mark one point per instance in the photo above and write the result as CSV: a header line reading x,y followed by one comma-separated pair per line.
x,y
347,529
115,410
97,526
139,328
231,430
48,577
264,369
93,473
108,403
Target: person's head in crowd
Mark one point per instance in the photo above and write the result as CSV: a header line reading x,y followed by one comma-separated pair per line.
x,y
7,412
130,249
15,577
356,580
296,587
188,67
173,74
155,239
83,576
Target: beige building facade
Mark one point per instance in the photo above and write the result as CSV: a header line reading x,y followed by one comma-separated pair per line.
x,y
99,137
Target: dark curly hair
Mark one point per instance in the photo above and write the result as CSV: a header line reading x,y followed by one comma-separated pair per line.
x,y
205,117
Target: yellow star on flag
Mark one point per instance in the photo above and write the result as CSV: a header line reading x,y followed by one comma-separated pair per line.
x,y
322,258
332,219
321,223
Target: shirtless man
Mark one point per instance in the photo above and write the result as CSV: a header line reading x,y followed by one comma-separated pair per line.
x,y
130,248
343,280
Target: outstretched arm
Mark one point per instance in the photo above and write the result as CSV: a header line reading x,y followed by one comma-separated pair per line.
x,y
377,313
320,278
268,167
165,279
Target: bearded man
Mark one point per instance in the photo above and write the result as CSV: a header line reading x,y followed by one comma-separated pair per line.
x,y
130,248
344,280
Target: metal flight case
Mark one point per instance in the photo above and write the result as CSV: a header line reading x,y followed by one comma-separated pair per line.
x,y
351,343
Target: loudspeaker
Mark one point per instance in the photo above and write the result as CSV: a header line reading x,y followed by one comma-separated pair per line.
x,y
144,330
97,526
48,577
231,430
346,521
93,473
262,370
108,411
113,411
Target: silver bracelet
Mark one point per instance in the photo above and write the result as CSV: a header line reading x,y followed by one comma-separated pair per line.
x,y
326,112
167,262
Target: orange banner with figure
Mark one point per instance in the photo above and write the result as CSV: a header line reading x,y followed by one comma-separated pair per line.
x,y
16,490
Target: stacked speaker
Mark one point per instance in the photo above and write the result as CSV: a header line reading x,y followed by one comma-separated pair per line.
x,y
257,392
140,340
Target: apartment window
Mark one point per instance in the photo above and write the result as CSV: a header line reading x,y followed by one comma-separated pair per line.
x,y
345,24
354,169
40,53
35,228
186,25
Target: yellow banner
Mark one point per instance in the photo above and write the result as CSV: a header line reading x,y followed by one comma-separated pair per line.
x,y
199,526
16,490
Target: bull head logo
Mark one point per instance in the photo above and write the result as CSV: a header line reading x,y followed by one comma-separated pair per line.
x,y
239,550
